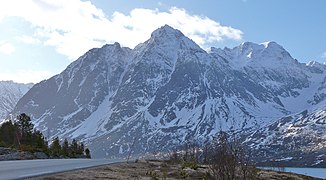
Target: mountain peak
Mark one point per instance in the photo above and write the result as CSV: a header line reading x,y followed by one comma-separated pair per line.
x,y
166,37
270,44
267,54
167,27
316,67
270,49
166,32
315,63
274,47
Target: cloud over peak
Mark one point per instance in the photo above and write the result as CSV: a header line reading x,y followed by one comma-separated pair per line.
x,y
75,26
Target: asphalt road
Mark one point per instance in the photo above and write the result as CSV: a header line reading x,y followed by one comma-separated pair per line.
x,y
29,168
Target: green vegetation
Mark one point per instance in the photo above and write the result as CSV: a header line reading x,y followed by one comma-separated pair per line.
x,y
88,155
68,150
21,135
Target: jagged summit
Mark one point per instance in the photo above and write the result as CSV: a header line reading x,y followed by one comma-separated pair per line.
x,y
269,44
277,49
168,37
166,31
265,55
316,66
248,46
269,47
114,45
165,35
315,63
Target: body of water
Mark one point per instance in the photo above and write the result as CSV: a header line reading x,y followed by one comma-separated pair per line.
x,y
314,172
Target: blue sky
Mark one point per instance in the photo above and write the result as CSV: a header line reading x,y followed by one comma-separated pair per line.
x,y
39,38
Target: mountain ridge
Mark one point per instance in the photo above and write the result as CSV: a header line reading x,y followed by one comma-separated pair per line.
x,y
168,90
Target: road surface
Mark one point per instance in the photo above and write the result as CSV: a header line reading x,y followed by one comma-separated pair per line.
x,y
29,168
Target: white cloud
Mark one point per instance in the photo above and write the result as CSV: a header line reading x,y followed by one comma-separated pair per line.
x,y
25,76
75,26
27,39
7,48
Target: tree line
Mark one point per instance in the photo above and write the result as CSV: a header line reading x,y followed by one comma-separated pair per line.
x,y
21,135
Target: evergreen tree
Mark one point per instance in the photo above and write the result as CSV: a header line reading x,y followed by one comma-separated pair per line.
x,y
39,142
65,148
21,134
25,125
55,149
8,134
88,154
80,150
73,148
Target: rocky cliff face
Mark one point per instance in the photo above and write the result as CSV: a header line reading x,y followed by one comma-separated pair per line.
x,y
10,93
168,90
294,140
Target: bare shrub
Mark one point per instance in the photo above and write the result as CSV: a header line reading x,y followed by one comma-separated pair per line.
x,y
228,159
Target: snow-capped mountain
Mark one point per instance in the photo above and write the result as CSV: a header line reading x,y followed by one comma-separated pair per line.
x,y
10,93
168,90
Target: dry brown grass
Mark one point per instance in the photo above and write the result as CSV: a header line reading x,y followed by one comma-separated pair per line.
x,y
147,170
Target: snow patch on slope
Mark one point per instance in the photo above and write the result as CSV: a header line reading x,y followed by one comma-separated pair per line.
x,y
10,93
